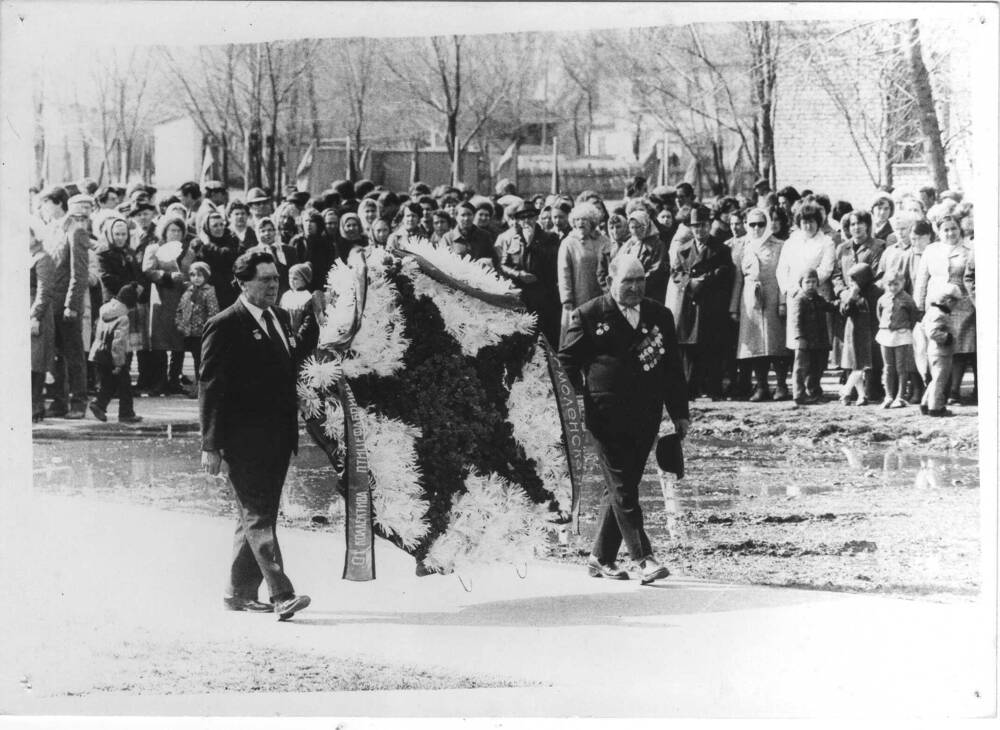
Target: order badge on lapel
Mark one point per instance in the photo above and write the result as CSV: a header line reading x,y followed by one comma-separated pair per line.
x,y
257,335
602,329
651,348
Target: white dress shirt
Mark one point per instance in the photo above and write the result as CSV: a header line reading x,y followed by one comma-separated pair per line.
x,y
258,314
631,315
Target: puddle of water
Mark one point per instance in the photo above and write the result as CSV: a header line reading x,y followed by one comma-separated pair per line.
x,y
167,472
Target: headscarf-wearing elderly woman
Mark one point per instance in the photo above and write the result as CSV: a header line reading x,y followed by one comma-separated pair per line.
x,y
883,209
644,243
41,315
351,235
945,262
618,233
166,264
116,267
367,213
218,247
576,263
755,305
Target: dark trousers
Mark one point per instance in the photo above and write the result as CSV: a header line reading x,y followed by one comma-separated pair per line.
x,y
623,461
69,367
257,476
37,394
146,366
161,374
809,367
120,386
703,367
193,345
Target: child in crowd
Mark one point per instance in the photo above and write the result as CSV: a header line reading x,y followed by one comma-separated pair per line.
x,y
859,351
897,314
808,337
198,305
111,353
940,336
297,301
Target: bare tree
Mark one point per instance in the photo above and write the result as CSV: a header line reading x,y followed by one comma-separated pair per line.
x,y
929,125
122,79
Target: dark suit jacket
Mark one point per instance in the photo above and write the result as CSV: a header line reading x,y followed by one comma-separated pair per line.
x,y
601,356
247,391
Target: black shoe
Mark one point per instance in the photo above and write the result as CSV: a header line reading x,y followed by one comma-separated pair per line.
x,y
175,389
130,419
597,569
75,413
54,411
99,413
234,603
940,413
289,607
185,380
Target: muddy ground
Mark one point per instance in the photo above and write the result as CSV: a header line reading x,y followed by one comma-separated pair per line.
x,y
827,496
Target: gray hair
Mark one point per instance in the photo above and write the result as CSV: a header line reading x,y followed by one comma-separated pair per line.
x,y
586,211
622,263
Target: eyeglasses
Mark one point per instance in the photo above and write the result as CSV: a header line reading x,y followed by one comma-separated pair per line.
x,y
759,224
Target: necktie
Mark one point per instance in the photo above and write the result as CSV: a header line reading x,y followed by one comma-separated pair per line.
x,y
632,315
272,332
277,253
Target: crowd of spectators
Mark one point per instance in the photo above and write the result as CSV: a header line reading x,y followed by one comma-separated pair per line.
x,y
782,282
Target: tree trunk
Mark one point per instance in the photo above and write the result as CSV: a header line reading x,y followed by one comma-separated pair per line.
x,y
763,75
576,126
929,127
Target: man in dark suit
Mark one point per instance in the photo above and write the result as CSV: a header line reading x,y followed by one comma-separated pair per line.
x,y
249,418
621,352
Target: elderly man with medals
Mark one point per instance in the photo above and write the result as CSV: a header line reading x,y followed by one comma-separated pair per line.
x,y
621,353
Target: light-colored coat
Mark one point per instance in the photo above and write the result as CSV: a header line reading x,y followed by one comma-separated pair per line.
x,y
158,263
113,323
577,271
755,298
944,264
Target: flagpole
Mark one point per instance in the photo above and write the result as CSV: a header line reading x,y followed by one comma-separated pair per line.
x,y
555,166
347,141
454,163
664,161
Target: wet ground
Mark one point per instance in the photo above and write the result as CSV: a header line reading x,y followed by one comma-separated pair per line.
x,y
776,496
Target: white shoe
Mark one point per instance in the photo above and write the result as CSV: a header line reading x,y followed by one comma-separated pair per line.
x,y
652,570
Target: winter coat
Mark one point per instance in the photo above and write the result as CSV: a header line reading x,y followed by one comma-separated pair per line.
x,y
699,292
198,304
897,311
159,262
942,264
117,267
848,254
40,308
937,329
220,255
755,298
860,328
898,262
576,264
807,318
113,323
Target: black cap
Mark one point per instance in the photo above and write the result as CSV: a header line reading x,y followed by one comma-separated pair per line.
x,y
524,209
670,455
128,296
699,214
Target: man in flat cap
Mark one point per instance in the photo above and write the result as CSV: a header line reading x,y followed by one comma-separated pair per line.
x,y
527,255
621,353
215,199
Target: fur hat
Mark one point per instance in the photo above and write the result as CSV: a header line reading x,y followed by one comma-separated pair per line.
x,y
128,296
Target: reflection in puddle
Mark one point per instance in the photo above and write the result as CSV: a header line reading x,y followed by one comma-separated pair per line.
x,y
167,472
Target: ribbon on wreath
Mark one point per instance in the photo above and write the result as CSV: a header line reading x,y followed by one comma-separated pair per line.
x,y
573,428
511,300
359,562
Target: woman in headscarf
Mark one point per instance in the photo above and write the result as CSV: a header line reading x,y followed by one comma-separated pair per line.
x,y
755,304
618,233
166,264
351,235
644,244
577,260
218,248
367,213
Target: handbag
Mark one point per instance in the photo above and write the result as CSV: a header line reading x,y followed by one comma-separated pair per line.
x,y
102,355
